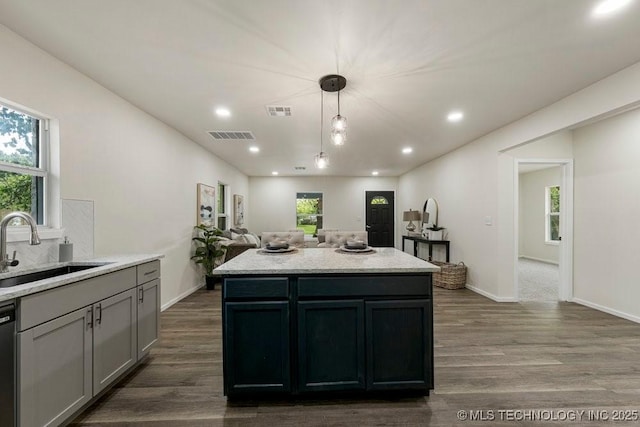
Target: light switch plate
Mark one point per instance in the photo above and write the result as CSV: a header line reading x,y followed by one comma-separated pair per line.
x,y
488,220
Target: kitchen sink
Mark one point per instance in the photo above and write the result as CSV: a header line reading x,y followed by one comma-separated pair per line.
x,y
21,279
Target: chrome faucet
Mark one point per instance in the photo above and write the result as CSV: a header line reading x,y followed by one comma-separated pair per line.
x,y
5,262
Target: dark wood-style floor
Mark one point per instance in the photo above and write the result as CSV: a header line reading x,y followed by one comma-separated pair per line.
x,y
488,357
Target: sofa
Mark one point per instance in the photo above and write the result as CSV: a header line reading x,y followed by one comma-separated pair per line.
x,y
335,239
237,241
293,238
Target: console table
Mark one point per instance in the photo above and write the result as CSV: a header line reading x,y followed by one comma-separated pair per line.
x,y
418,239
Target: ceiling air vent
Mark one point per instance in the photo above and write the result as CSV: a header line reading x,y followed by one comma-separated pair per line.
x,y
300,168
278,111
227,135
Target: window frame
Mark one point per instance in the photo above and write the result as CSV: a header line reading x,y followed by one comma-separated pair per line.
x,y
319,216
548,215
41,171
49,170
222,190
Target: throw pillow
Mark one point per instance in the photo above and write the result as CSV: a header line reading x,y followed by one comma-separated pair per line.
x,y
252,238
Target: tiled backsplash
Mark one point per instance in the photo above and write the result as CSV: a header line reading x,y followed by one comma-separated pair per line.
x,y
77,221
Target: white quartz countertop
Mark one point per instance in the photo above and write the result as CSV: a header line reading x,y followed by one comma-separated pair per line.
x,y
111,264
323,261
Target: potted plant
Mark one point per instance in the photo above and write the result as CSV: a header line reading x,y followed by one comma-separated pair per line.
x,y
208,250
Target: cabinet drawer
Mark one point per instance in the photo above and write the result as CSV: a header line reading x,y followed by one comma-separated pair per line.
x,y
44,306
148,271
252,288
361,286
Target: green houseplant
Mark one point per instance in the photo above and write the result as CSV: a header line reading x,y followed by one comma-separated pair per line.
x,y
208,250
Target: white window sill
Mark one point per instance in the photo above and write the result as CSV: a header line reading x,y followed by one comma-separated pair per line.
x,y
552,243
22,234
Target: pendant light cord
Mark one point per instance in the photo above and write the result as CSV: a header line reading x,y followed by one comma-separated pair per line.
x,y
338,102
321,116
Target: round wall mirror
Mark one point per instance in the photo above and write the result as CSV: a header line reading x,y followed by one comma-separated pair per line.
x,y
430,213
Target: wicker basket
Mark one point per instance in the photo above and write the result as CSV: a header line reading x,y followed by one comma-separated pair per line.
x,y
450,276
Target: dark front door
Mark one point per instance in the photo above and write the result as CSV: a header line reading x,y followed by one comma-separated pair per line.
x,y
380,209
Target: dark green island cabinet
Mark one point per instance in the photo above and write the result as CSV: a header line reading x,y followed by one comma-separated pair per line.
x,y
333,331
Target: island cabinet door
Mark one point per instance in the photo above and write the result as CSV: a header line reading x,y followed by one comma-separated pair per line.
x,y
331,345
399,345
256,346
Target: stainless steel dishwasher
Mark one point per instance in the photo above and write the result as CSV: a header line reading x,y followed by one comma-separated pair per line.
x,y
7,364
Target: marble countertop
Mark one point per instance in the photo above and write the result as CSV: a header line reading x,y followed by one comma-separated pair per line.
x,y
322,261
111,264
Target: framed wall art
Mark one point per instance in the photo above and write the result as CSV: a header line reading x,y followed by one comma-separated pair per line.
x,y
206,199
238,209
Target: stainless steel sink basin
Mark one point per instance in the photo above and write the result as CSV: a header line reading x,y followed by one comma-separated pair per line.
x,y
45,274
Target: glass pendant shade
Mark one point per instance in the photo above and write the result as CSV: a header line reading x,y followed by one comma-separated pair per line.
x,y
321,160
339,123
338,137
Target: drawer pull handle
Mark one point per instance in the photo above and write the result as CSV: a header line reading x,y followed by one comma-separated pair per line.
x,y
150,272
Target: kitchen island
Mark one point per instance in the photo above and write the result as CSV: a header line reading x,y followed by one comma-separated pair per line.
x,y
322,320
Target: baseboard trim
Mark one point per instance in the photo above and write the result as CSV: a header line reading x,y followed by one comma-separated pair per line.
x,y
607,310
180,297
546,261
490,295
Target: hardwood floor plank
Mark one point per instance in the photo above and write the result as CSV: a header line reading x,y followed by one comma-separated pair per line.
x,y
488,356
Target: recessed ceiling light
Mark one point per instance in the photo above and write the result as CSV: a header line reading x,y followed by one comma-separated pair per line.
x,y
375,173
609,6
274,173
254,149
407,150
223,112
455,116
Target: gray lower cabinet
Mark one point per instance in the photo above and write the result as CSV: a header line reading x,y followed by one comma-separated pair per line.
x,y
114,338
148,316
55,369
66,362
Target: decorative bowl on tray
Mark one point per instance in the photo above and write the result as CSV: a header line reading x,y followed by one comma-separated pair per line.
x,y
276,245
355,244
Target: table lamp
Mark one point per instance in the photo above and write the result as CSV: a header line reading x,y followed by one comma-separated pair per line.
x,y
411,216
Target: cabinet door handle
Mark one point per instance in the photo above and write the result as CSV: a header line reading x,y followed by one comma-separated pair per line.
x,y
141,295
99,314
89,318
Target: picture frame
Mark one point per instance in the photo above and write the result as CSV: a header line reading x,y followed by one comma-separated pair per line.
x,y
238,209
206,204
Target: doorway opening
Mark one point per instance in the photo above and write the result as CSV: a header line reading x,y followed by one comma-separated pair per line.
x,y
544,230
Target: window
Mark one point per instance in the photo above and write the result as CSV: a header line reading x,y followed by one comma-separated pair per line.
x,y
23,164
379,200
552,219
309,212
222,211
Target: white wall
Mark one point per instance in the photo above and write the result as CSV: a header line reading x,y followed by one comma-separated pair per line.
x,y
140,173
607,206
476,182
273,200
533,216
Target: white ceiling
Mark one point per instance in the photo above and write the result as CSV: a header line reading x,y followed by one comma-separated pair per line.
x,y
408,63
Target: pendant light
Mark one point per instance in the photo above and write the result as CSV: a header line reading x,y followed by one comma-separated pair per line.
x,y
335,83
339,127
321,159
